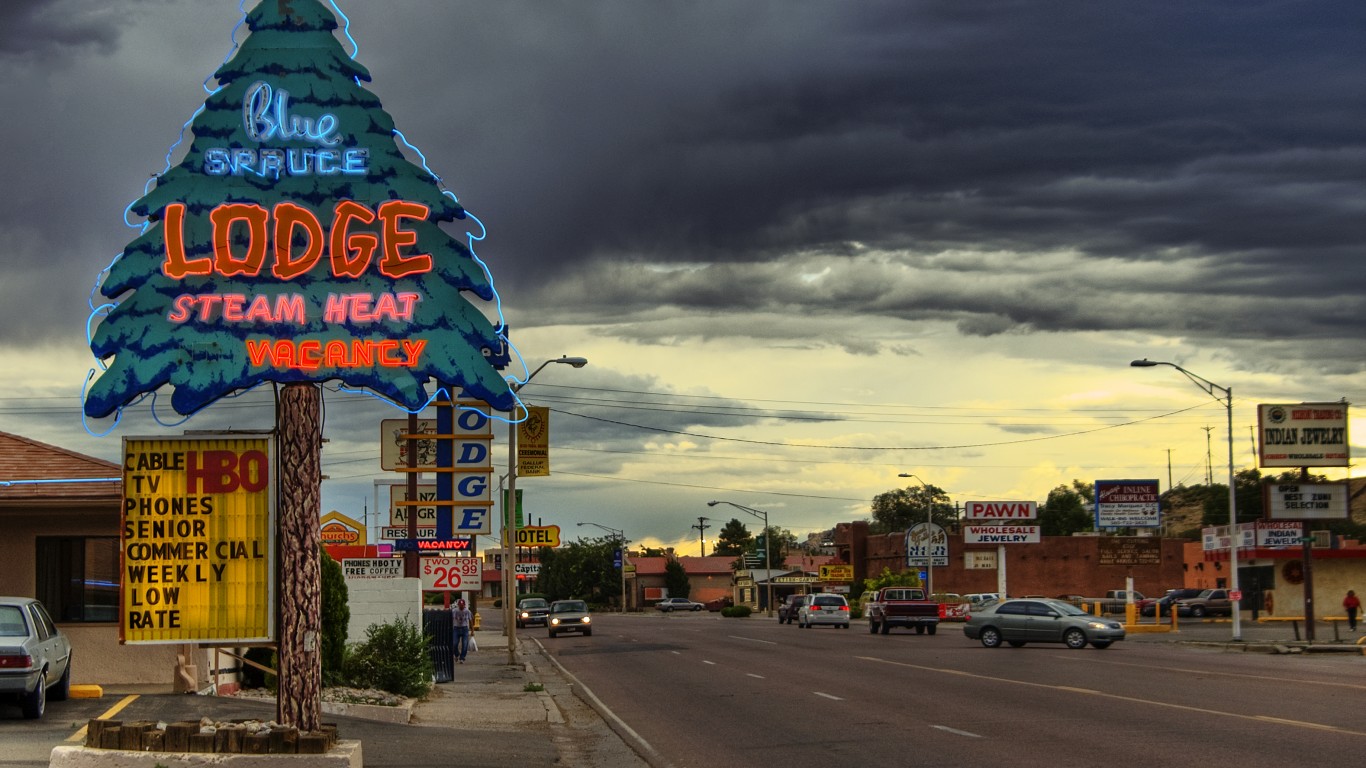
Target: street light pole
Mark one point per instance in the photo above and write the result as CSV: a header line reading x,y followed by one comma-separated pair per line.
x,y
510,514
768,549
1212,389
620,533
929,533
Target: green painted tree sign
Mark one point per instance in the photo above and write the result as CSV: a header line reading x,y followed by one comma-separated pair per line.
x,y
295,243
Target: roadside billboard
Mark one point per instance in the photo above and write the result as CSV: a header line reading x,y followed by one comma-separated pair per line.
x,y
1306,501
1303,435
1128,504
197,540
1000,534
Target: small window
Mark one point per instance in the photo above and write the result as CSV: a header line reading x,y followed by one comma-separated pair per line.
x,y
1041,609
1014,608
78,577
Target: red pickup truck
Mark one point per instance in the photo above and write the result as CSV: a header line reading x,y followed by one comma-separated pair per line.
x,y
901,607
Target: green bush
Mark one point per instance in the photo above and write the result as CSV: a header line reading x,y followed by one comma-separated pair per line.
x,y
336,615
736,611
393,658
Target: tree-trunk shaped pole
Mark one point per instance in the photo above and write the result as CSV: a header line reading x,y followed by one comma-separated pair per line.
x,y
299,433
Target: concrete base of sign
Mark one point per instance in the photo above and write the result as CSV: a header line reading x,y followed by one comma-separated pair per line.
x,y
346,754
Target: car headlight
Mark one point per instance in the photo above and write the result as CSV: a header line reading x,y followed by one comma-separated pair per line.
x,y
1097,625
587,620
556,622
526,615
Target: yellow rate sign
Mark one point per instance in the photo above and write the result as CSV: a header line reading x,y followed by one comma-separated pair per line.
x,y
197,540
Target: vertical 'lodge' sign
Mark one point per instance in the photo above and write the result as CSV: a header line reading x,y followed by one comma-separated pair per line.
x,y
294,243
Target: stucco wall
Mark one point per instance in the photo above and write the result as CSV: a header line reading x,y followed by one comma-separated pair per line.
x,y
381,601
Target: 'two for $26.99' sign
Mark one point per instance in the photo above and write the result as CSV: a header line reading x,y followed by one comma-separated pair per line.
x,y
453,574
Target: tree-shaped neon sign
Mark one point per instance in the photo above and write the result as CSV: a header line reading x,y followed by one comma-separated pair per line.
x,y
294,243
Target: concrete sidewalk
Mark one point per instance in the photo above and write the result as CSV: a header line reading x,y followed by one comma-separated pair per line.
x,y
1254,636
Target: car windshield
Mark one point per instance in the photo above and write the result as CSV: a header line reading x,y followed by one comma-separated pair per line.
x,y
534,602
12,622
1066,609
569,606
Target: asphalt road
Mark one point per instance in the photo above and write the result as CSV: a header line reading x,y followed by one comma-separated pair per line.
x,y
704,691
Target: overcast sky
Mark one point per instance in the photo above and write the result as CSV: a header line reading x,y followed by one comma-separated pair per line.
x,y
805,245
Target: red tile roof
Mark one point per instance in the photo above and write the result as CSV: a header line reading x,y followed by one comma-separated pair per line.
x,y
27,468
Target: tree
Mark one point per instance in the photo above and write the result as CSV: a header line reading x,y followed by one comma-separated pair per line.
x,y
1247,491
898,510
734,539
581,569
1068,510
676,579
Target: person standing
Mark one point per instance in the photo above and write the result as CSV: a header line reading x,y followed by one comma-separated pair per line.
x,y
1352,604
461,618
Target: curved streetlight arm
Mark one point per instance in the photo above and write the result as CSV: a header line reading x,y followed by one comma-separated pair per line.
x,y
510,501
1210,387
617,532
1200,381
929,523
768,549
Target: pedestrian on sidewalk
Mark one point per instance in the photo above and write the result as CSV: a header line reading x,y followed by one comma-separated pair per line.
x,y
461,618
1352,604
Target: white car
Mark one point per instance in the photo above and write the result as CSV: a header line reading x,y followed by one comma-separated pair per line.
x,y
678,604
35,656
824,608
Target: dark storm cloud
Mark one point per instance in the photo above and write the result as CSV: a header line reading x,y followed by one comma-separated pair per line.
x,y
45,30
645,168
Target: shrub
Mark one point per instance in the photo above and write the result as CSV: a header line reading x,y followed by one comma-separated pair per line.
x,y
736,611
393,658
336,615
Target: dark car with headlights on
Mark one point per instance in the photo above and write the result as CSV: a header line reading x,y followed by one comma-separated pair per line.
x,y
35,656
570,616
533,610
1040,621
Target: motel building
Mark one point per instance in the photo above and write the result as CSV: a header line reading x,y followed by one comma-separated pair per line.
x,y
60,513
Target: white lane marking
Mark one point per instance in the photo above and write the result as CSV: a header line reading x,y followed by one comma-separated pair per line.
x,y
751,639
828,696
969,734
676,653
1115,696
751,674
704,661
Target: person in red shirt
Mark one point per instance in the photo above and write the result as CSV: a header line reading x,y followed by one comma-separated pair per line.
x,y
1353,604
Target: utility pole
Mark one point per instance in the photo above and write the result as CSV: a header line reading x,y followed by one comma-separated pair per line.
x,y
701,535
1209,466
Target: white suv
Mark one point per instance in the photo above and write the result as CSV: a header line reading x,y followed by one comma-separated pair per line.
x,y
825,608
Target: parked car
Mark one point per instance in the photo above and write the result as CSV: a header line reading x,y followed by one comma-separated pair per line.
x,y
787,610
678,604
980,598
1211,602
1149,607
570,616
35,656
1040,621
533,610
719,603
825,608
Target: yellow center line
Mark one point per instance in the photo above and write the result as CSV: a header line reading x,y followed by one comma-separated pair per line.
x,y
1118,697
109,713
